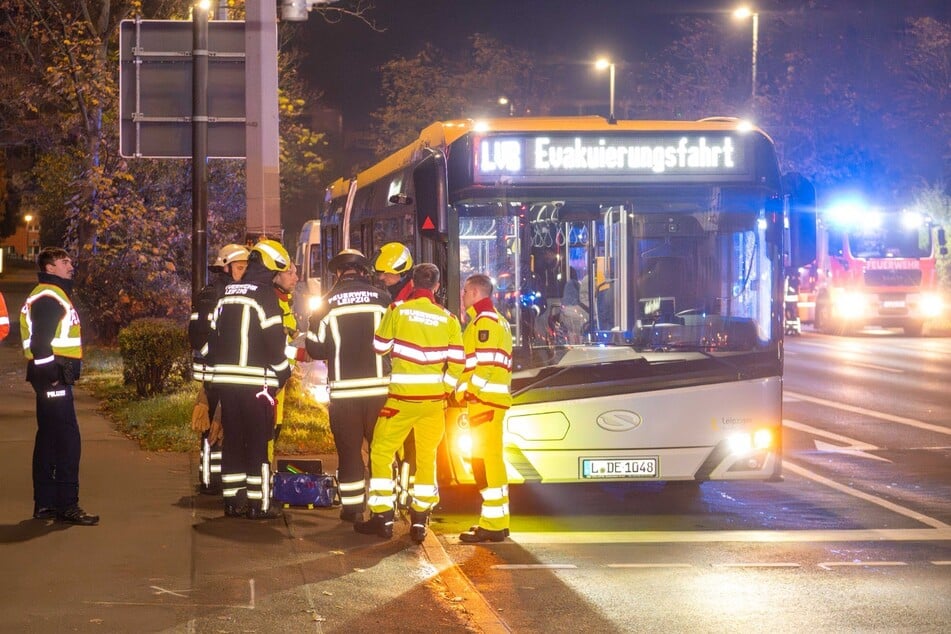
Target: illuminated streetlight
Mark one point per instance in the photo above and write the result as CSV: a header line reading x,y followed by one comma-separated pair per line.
x,y
601,64
741,14
505,101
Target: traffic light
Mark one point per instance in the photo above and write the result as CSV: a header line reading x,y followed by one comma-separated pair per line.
x,y
296,10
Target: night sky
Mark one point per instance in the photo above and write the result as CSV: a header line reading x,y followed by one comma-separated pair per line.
x,y
343,58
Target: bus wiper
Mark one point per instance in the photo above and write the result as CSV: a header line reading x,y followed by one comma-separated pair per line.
x,y
548,375
693,347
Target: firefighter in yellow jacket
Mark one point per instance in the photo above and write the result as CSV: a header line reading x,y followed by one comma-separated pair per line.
x,y
485,387
424,341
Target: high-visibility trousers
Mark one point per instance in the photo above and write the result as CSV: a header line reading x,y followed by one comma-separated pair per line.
x,y
488,465
427,420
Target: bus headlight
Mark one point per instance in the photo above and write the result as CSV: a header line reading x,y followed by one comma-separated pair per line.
x,y
745,442
931,305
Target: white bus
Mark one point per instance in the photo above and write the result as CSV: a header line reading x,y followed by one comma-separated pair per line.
x,y
640,264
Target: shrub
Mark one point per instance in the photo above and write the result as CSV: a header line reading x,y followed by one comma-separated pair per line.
x,y
152,350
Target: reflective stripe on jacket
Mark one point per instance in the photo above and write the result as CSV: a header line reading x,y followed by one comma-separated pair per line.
x,y
246,344
424,341
67,340
488,344
342,333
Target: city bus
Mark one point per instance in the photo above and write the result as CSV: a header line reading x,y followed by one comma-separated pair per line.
x,y
641,266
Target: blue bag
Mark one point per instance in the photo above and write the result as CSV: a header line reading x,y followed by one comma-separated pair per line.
x,y
304,489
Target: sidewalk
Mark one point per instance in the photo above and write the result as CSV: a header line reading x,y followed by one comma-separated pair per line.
x,y
164,559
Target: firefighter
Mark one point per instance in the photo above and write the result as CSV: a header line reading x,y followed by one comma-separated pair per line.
x,y
248,367
52,343
342,333
284,284
4,319
486,388
424,342
393,265
228,267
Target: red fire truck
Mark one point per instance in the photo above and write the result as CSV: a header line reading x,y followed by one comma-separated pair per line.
x,y
872,268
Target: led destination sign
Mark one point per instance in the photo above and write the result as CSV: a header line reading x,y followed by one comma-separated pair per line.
x,y
549,157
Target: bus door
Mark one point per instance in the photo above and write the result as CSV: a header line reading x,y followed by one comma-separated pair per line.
x,y
435,225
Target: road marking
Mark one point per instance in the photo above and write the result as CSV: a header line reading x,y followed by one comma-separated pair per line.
x,y
828,565
649,565
870,412
853,447
875,367
757,565
160,590
534,567
941,563
741,536
868,497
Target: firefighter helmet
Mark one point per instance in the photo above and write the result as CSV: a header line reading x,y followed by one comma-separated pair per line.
x,y
273,255
348,259
393,258
231,253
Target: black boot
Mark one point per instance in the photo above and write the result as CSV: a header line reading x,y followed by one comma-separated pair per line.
x,y
419,521
379,524
235,509
257,513
351,514
478,535
75,515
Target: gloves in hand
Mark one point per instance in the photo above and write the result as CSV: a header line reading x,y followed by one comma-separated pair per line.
x,y
215,433
200,417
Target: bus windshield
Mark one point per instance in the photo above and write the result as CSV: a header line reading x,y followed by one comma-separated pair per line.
x,y
578,274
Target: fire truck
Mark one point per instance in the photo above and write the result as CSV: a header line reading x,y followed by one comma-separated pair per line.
x,y
872,268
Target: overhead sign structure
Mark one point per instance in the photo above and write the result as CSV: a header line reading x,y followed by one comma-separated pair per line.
x,y
155,89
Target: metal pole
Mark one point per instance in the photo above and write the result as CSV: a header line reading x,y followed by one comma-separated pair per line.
x,y
613,119
262,132
755,46
199,150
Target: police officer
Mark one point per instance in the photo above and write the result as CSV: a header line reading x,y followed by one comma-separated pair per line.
x,y
342,333
246,354
424,342
228,267
485,387
52,343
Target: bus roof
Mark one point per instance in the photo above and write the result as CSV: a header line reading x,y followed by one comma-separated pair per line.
x,y
443,133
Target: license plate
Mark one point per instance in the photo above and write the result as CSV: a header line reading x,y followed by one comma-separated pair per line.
x,y
893,303
619,468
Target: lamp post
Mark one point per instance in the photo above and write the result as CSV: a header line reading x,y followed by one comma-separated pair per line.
x,y
741,14
601,64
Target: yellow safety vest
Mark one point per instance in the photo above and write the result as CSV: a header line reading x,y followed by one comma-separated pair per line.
x,y
488,343
67,341
424,341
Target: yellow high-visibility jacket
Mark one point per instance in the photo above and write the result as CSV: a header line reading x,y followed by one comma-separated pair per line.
x,y
488,344
424,341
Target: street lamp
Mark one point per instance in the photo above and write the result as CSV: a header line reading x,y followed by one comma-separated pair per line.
x,y
505,101
601,64
741,14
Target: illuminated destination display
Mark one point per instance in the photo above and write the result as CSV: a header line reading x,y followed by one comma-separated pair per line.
x,y
546,157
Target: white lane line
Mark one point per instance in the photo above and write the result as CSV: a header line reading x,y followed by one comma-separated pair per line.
x,y
875,367
534,567
815,431
941,563
868,497
740,536
649,566
851,447
828,565
764,564
870,412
